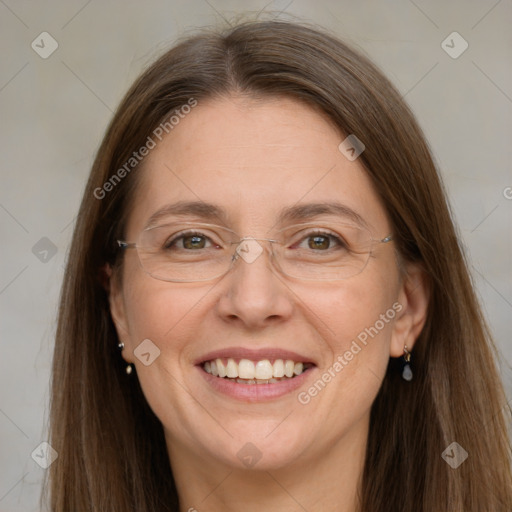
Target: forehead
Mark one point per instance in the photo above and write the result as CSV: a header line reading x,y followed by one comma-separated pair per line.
x,y
253,158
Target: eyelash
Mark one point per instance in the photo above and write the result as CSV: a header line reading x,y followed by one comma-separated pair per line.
x,y
179,236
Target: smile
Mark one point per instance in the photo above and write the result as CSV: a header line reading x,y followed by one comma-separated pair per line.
x,y
246,371
255,375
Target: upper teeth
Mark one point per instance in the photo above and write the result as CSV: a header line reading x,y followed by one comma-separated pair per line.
x,y
247,369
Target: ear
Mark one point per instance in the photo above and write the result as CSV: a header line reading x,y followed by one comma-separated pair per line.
x,y
413,297
116,302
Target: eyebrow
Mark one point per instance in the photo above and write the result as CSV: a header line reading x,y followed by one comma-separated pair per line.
x,y
206,211
303,212
296,213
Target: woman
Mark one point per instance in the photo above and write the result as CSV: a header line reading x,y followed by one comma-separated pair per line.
x,y
265,304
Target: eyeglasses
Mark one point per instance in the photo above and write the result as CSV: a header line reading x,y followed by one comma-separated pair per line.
x,y
185,252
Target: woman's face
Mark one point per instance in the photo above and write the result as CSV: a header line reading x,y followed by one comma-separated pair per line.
x,y
254,160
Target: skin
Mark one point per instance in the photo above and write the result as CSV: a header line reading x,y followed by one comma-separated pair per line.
x,y
253,157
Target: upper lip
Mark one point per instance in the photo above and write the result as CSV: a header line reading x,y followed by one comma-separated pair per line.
x,y
271,353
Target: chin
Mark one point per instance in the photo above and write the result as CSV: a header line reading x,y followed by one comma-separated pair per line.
x,y
261,451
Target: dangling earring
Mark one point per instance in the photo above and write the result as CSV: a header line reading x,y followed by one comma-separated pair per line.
x,y
407,372
129,367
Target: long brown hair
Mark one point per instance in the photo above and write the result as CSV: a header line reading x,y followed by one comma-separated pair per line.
x,y
111,446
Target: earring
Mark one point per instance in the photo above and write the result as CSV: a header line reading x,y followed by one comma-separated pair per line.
x,y
407,372
129,367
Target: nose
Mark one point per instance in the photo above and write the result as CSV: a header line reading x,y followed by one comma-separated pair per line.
x,y
254,294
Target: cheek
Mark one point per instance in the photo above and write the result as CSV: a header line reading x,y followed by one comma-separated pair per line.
x,y
158,310
168,316
150,314
344,313
355,321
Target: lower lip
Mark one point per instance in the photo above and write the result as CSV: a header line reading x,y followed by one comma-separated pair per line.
x,y
255,392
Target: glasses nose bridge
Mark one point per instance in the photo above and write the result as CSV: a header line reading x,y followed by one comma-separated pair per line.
x,y
245,238
249,249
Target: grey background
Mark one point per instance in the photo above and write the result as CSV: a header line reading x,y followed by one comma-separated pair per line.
x,y
55,110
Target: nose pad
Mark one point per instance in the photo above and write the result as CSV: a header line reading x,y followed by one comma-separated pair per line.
x,y
249,250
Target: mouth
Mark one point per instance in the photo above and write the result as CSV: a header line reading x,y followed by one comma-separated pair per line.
x,y
257,371
255,375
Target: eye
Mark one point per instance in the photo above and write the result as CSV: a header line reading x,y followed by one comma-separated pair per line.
x,y
189,241
322,241
319,242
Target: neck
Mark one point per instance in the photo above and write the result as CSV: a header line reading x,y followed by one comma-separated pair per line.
x,y
328,481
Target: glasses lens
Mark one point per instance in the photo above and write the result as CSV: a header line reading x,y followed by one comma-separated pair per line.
x,y
185,252
328,253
